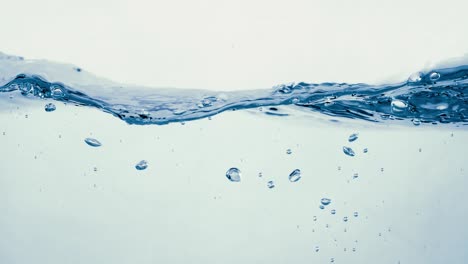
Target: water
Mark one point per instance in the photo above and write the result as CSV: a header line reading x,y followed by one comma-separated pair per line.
x,y
183,208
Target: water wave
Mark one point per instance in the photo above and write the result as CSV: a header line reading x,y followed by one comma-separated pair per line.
x,y
432,96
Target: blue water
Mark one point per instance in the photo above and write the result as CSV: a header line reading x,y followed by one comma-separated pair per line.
x,y
97,172
435,96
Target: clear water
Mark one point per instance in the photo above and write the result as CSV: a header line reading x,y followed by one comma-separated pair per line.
x,y
73,188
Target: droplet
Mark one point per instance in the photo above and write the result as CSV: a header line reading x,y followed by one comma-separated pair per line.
x,y
356,214
288,151
416,121
92,142
345,219
333,211
295,175
355,175
234,174
142,165
365,150
434,76
398,105
348,151
415,77
270,184
353,137
49,107
325,201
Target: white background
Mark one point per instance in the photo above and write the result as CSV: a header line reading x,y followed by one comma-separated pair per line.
x,y
227,45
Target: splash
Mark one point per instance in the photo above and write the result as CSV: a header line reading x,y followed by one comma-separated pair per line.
x,y
435,96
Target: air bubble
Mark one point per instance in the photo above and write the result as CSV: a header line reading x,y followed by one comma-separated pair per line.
x,y
233,174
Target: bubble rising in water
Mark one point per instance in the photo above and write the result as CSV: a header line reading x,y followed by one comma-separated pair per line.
x,y
295,175
333,211
49,107
348,151
325,201
288,151
92,142
271,184
353,137
233,174
142,165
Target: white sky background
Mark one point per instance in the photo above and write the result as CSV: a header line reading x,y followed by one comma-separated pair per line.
x,y
227,45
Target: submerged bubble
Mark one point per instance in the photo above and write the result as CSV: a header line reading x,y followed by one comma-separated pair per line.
x,y
355,175
333,211
142,165
434,76
348,151
317,248
271,184
260,174
92,142
295,175
356,214
353,137
365,150
56,92
398,105
49,107
325,201
288,151
345,219
416,121
234,174
322,207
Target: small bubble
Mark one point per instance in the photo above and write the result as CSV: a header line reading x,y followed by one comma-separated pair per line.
x,y
325,201
260,174
332,260
142,165
56,92
182,123
381,169
295,175
353,137
398,105
355,175
270,184
49,107
288,151
420,149
317,248
315,218
416,121
354,249
348,151
345,219
92,142
356,214
234,174
95,168
322,207
434,76
365,150
25,116
333,211
339,167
